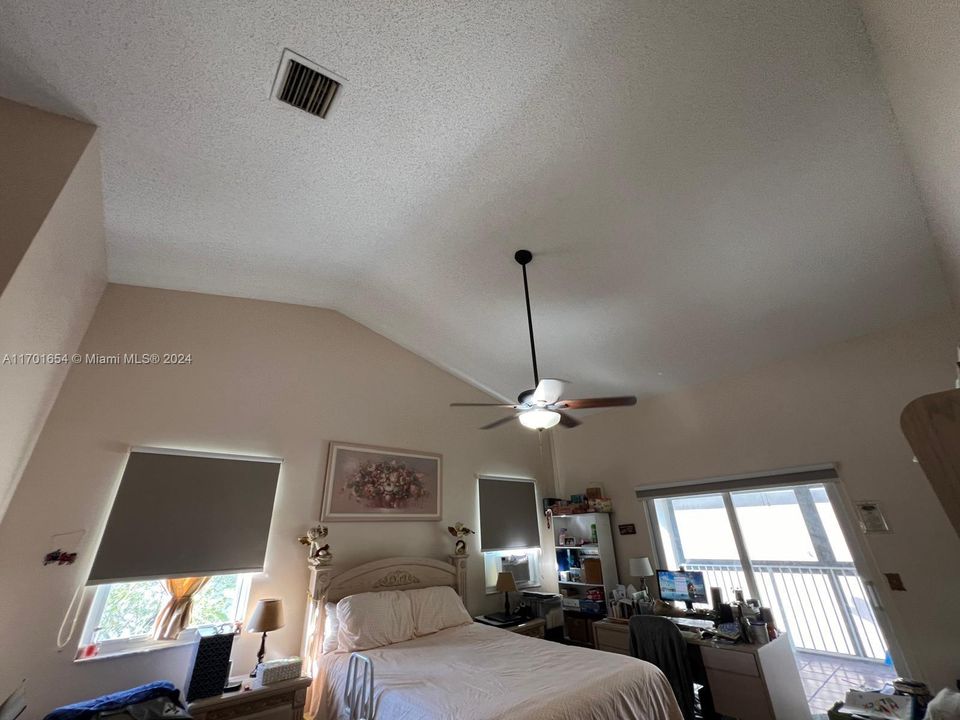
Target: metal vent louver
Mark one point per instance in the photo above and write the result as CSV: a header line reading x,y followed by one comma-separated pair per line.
x,y
305,85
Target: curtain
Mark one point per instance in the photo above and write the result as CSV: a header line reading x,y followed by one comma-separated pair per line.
x,y
175,615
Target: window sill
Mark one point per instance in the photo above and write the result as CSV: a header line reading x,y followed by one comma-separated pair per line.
x,y
147,646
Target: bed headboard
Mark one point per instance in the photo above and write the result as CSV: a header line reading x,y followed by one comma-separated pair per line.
x,y
332,584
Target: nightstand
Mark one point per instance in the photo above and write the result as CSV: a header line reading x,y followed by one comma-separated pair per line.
x,y
277,701
534,627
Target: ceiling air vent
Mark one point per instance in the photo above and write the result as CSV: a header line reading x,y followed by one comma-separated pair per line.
x,y
305,85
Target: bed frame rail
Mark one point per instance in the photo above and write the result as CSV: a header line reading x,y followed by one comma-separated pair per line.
x,y
359,693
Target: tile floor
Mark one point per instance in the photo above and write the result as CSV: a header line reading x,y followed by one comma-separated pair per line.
x,y
826,679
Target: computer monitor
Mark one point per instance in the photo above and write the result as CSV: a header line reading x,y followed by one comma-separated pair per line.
x,y
683,585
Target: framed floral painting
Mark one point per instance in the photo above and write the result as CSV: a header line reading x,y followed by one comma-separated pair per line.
x,y
371,483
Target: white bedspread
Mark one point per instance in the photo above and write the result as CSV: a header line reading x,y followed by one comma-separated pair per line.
x,y
476,672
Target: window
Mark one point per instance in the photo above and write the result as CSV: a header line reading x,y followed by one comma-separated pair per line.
x,y
524,564
509,530
122,614
782,544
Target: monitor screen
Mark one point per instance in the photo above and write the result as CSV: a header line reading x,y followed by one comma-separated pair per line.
x,y
680,585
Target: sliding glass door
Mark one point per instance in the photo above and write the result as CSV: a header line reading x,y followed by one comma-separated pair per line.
x,y
695,534
784,546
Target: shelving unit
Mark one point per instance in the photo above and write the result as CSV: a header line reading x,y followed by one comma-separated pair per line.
x,y
578,623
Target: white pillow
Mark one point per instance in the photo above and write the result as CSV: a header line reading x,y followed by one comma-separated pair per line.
x,y
370,620
436,608
330,628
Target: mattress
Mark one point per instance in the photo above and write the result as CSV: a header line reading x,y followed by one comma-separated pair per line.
x,y
477,672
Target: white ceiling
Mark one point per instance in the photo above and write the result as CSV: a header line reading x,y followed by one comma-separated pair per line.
x,y
707,186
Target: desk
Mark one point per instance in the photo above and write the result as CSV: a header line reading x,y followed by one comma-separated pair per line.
x,y
748,682
277,701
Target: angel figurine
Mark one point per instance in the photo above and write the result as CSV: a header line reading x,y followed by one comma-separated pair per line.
x,y
459,531
317,554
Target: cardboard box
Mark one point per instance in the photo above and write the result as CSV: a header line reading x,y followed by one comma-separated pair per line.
x,y
592,572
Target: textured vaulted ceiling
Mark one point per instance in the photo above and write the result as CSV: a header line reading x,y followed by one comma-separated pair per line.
x,y
707,186
918,45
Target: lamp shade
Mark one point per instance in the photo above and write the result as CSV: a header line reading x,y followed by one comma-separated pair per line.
x,y
640,567
267,616
506,582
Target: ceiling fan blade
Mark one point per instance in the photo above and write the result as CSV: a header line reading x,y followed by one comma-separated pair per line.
x,y
548,391
586,403
568,420
483,405
501,421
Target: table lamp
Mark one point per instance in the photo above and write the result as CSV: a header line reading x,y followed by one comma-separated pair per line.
x,y
506,584
267,616
641,568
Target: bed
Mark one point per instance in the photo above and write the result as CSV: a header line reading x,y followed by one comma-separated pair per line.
x,y
473,671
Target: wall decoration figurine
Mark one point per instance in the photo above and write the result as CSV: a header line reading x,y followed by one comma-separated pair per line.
x,y
318,554
59,557
460,531
67,544
371,483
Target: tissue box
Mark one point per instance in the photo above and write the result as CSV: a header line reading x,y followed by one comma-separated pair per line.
x,y
274,671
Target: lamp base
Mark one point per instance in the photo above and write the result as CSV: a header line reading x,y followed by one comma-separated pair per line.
x,y
260,654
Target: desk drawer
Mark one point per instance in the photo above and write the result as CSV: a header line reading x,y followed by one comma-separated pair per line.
x,y
612,640
734,661
739,696
620,650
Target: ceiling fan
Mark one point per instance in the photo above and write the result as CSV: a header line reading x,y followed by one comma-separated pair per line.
x,y
542,407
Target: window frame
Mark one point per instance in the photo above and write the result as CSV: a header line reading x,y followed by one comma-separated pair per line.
x,y
143,643
493,564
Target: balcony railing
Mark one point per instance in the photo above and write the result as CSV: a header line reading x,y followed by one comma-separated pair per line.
x,y
825,608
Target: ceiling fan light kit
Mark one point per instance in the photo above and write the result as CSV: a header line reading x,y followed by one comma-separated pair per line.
x,y
539,418
541,408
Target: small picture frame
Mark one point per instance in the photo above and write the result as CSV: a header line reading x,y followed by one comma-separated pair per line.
x,y
570,541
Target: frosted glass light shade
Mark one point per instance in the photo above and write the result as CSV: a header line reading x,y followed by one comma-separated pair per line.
x,y
539,418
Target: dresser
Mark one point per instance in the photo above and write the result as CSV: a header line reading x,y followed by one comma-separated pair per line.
x,y
747,682
277,701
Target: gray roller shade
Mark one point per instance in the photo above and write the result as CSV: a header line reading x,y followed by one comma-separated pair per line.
x,y
178,515
509,518
815,474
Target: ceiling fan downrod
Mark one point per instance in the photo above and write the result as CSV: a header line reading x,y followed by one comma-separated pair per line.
x,y
523,257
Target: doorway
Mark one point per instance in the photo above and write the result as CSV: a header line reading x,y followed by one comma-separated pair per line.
x,y
782,544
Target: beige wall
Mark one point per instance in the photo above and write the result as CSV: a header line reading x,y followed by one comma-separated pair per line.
x,y
38,151
266,379
841,404
47,303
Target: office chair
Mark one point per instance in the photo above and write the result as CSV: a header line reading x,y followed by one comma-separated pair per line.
x,y
658,641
